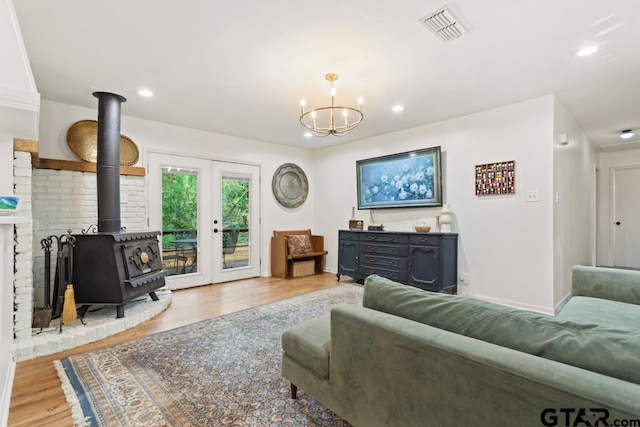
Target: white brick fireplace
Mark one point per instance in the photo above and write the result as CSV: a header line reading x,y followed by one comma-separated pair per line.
x,y
56,201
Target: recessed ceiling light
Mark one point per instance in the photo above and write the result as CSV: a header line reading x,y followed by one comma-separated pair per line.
x,y
626,134
397,108
308,134
145,92
586,51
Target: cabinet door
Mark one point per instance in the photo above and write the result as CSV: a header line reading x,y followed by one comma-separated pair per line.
x,y
424,262
348,258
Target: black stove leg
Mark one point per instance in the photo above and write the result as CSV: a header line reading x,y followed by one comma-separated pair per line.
x,y
153,296
120,311
82,311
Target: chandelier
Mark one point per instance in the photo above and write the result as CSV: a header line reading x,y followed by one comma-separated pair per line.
x,y
339,120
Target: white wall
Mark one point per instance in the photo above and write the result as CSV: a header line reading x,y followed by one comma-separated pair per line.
x,y
574,168
7,364
19,104
607,162
19,98
153,136
505,243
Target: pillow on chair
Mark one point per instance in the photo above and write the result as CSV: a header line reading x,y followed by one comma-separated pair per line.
x,y
299,244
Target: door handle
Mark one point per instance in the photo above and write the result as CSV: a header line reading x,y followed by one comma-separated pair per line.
x,y
617,222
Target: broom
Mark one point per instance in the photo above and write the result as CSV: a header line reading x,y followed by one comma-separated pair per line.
x,y
69,312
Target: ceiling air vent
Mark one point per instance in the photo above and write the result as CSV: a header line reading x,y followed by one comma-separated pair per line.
x,y
445,24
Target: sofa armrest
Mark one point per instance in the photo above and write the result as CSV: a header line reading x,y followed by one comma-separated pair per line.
x,y
388,370
606,283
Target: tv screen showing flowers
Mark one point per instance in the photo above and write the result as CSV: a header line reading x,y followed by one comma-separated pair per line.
x,y
408,179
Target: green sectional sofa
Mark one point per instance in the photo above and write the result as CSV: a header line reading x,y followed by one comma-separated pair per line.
x,y
408,357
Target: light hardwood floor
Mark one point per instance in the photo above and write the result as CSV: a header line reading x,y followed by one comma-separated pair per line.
x,y
37,398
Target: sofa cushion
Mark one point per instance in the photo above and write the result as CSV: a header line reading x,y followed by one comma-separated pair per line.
x,y
608,350
309,343
602,312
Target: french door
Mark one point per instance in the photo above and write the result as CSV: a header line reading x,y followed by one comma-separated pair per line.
x,y
208,212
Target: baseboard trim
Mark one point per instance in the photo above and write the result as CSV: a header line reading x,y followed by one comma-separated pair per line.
x,y
6,393
558,308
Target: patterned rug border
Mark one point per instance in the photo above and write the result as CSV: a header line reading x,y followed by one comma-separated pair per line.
x,y
80,405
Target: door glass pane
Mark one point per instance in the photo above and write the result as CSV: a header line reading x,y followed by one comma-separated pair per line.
x,y
179,220
235,222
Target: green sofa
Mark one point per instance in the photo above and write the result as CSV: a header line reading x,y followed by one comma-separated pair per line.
x,y
413,358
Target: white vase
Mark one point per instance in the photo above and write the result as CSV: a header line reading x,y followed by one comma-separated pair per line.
x,y
445,219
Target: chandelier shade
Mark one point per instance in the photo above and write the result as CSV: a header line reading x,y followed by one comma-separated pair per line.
x,y
339,119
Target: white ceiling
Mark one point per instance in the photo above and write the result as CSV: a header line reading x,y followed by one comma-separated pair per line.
x,y
240,68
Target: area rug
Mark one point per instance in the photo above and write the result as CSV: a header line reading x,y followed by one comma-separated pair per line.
x,y
223,371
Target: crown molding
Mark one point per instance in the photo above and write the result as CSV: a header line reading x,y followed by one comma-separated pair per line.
x,y
19,99
27,97
22,48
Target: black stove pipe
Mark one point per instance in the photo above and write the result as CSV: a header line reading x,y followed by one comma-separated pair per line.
x,y
108,167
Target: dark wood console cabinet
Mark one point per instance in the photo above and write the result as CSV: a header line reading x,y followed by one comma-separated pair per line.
x,y
424,260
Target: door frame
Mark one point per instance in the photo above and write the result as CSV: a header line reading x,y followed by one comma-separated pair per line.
x,y
203,274
197,278
612,211
219,171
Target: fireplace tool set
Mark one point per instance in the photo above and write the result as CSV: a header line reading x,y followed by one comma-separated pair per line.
x,y
58,304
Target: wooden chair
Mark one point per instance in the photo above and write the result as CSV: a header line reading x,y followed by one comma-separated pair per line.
x,y
282,262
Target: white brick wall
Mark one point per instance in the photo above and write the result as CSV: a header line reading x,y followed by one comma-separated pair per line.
x,y
134,207
23,262
58,201
67,200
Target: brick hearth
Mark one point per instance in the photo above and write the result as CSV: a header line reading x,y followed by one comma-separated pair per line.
x,y
99,323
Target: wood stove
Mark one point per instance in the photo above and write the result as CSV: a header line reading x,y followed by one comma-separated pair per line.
x,y
112,267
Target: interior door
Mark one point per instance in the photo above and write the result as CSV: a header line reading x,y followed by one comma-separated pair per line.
x,y
236,221
626,217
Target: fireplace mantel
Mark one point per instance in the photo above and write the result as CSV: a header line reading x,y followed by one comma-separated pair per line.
x,y
11,219
32,147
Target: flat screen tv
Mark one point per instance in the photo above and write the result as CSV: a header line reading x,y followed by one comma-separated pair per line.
x,y
411,179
